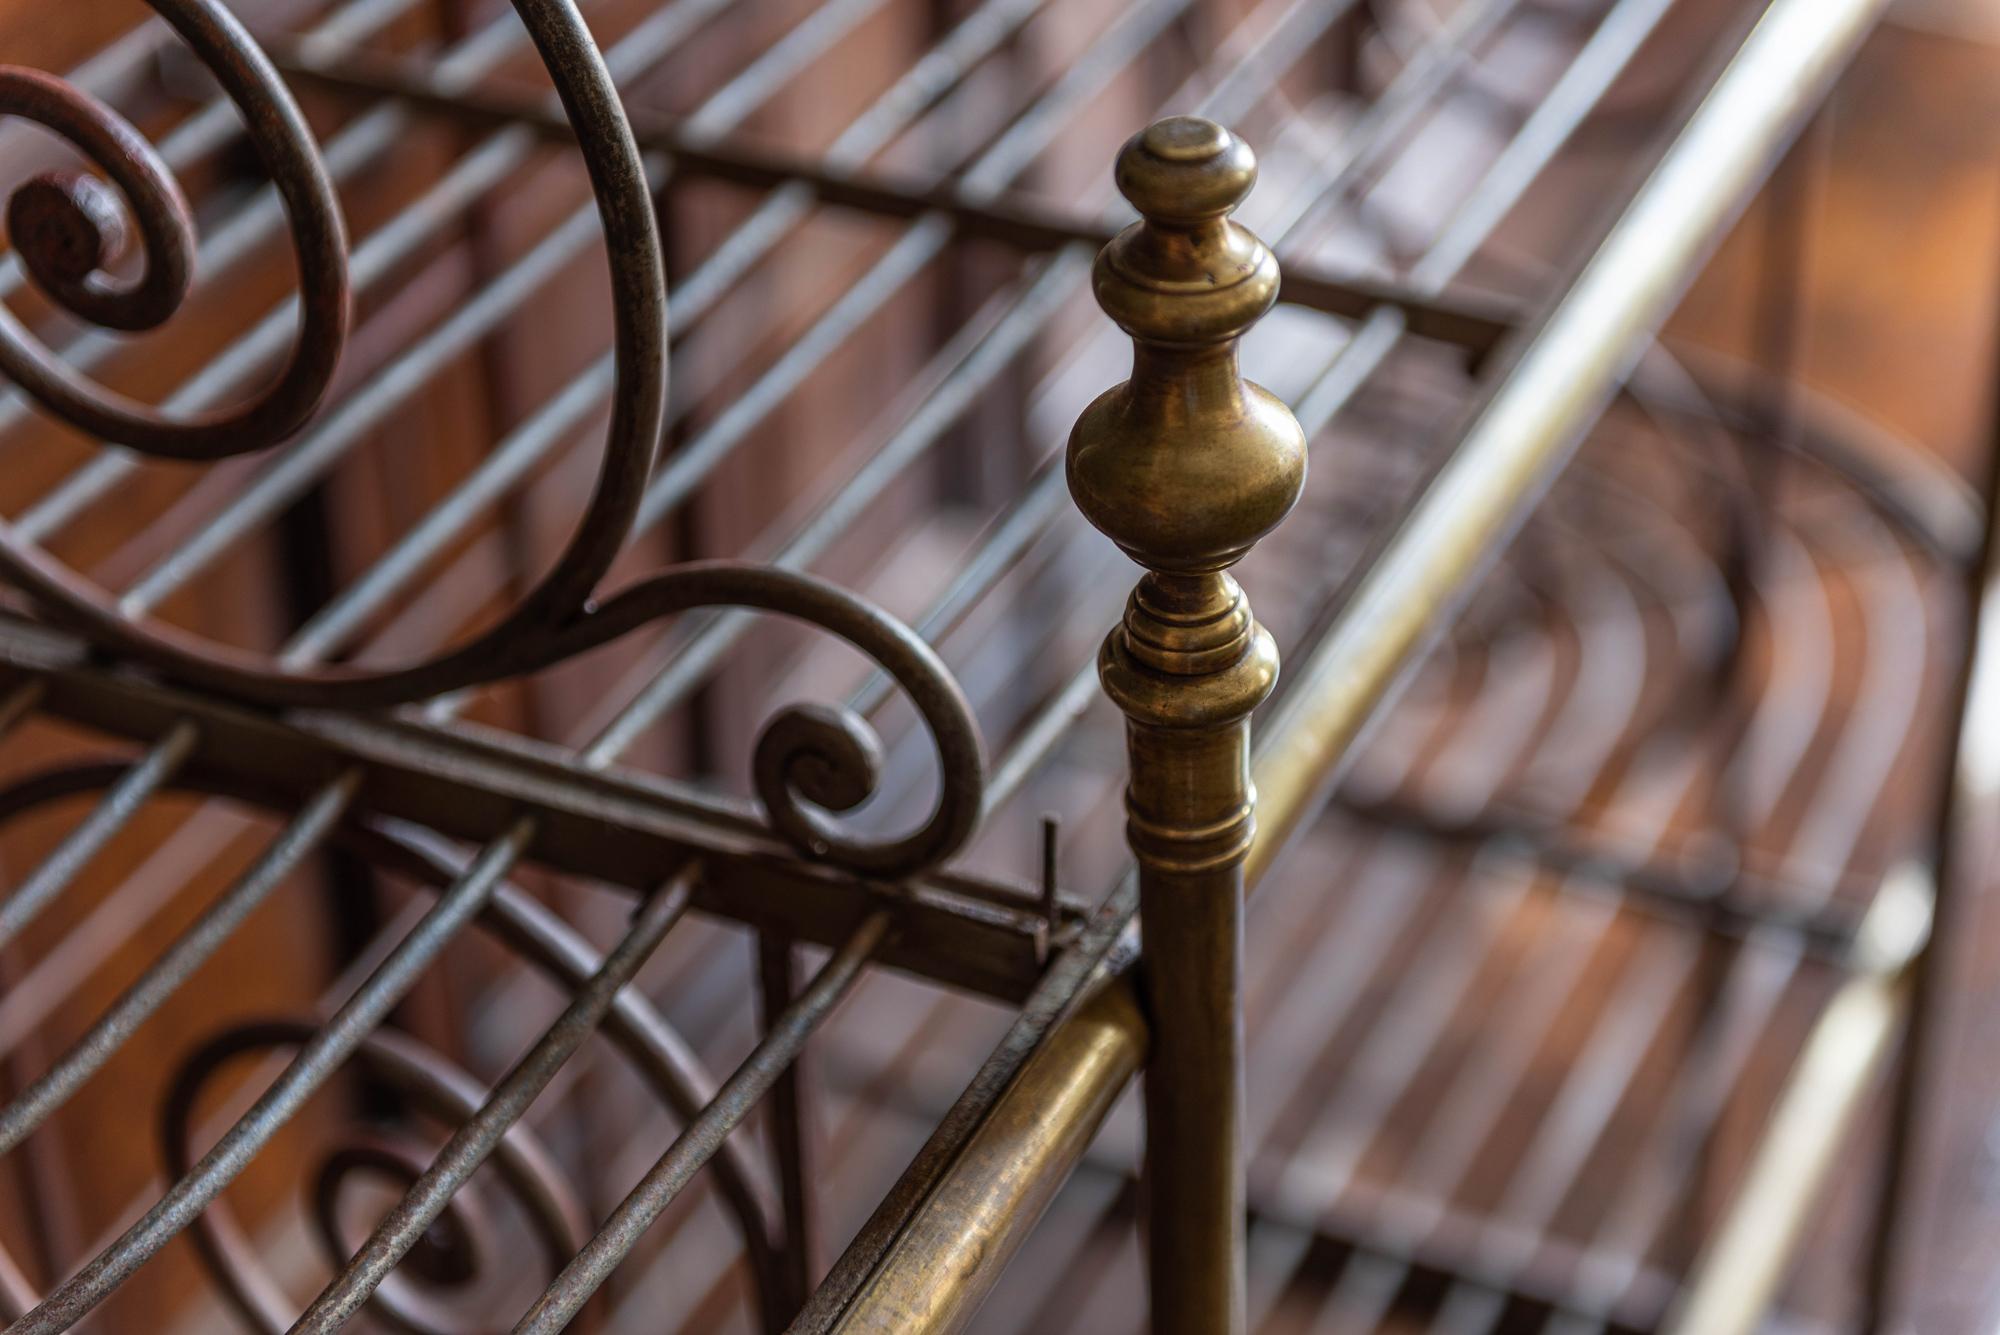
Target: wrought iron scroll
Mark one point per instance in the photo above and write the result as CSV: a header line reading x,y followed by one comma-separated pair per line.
x,y
67,229
458,1257
810,760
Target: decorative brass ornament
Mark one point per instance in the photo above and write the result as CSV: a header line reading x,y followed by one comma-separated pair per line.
x,y
1185,466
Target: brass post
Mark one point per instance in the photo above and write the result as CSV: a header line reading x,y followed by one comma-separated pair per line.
x,y
1185,466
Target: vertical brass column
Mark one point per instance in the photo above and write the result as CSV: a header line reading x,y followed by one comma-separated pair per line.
x,y
1185,466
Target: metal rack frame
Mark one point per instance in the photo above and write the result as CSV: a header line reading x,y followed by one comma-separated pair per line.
x,y
1186,467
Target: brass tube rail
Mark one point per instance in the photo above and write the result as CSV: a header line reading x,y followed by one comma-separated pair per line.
x,y
1560,377
1555,378
1740,1269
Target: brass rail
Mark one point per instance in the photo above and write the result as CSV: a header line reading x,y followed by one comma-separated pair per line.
x,y
1554,379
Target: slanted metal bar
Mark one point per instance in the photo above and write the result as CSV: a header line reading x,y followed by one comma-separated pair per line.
x,y
470,1145
700,1139
177,963
1021,224
940,1265
317,1059
41,989
113,812
791,1124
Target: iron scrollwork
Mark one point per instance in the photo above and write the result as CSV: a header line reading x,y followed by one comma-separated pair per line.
x,y
448,1273
810,760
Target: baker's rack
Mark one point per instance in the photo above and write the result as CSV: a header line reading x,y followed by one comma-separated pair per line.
x,y
376,761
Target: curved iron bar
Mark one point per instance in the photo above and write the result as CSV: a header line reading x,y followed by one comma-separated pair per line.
x,y
440,1089
67,229
528,929
653,1046
809,760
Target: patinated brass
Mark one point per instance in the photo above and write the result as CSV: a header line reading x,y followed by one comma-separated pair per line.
x,y
1529,414
947,1260
1185,466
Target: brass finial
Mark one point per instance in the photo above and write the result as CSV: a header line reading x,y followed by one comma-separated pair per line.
x,y
1186,464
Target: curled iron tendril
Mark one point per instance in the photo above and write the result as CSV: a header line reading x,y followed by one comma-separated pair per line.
x,y
810,760
459,1259
68,230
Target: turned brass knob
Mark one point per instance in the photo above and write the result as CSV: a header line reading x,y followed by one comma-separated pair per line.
x,y
1186,464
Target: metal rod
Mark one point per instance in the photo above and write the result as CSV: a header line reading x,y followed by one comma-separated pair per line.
x,y
791,1125
1965,783
113,812
316,1060
177,963
944,1261
701,1138
475,1139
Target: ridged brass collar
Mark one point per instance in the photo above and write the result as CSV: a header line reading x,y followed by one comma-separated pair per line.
x,y
1185,276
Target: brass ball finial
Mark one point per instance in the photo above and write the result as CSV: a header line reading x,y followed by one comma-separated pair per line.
x,y
1184,170
1186,464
